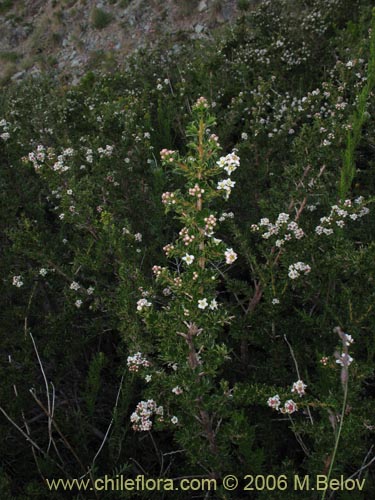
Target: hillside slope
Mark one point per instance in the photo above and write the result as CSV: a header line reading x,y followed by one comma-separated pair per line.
x,y
75,35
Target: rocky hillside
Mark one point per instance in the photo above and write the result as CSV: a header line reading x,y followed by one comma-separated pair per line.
x,y
73,36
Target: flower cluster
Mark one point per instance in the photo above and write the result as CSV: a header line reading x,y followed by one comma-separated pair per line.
x,y
144,411
107,151
137,361
168,249
289,406
210,223
226,185
5,133
37,158
296,269
168,198
282,225
196,191
167,155
338,216
186,237
229,163
344,359
142,304
203,304
215,139
17,281
157,270
201,103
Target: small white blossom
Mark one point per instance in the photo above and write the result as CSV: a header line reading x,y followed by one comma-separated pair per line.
x,y
177,390
75,286
274,402
202,304
189,259
299,387
344,359
213,304
230,256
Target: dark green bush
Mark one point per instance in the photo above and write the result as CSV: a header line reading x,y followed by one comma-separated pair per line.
x,y
100,19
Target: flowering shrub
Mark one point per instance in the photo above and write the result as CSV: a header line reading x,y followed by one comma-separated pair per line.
x,y
186,328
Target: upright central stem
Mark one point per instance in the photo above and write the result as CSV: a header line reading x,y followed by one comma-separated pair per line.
x,y
201,260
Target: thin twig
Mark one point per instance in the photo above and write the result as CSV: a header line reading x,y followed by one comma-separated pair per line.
x,y
109,426
298,373
29,440
49,414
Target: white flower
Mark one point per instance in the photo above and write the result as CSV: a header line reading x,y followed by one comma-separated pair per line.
x,y
244,136
213,304
75,286
78,303
189,259
274,402
289,406
148,378
275,301
174,420
344,359
299,387
348,339
293,274
43,271
90,290
138,237
177,390
230,256
202,304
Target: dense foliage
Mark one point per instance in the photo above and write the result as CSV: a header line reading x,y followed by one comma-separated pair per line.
x,y
133,339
